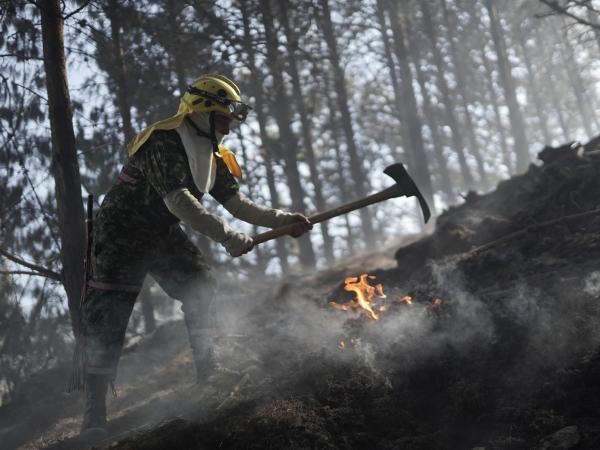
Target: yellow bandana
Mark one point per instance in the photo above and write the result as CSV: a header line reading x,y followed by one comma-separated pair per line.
x,y
170,124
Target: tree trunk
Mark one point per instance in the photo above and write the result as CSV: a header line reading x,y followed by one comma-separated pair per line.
x,y
408,105
256,91
172,40
475,24
259,251
574,73
356,168
494,100
306,130
428,109
333,126
549,74
383,27
461,85
516,119
449,108
283,117
120,72
64,164
533,86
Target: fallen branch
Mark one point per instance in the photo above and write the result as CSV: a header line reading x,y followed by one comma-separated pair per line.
x,y
38,270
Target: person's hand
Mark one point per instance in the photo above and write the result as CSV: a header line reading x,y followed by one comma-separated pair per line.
x,y
237,244
301,224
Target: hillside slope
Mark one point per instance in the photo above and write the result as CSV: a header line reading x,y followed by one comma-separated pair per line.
x,y
487,337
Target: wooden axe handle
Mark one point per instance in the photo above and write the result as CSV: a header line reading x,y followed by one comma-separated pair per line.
x,y
391,192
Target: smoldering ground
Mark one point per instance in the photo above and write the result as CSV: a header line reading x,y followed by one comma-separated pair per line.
x,y
440,369
421,376
465,372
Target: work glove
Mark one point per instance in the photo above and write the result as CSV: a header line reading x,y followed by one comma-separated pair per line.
x,y
245,209
302,223
183,205
237,244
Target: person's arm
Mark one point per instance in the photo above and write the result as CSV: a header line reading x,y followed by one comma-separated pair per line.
x,y
227,192
245,209
166,168
182,204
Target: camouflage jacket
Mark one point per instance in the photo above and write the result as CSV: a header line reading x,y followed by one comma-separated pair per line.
x,y
136,203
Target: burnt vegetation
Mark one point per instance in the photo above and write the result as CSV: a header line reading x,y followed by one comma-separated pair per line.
x,y
486,330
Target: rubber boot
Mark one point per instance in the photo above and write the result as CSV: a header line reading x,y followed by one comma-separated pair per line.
x,y
203,352
93,426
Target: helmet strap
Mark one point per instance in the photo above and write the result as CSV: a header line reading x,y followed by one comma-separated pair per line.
x,y
198,131
213,136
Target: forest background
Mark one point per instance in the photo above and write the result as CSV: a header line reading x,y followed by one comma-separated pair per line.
x,y
463,92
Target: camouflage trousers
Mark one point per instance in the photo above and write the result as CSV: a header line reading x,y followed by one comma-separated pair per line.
x,y
120,261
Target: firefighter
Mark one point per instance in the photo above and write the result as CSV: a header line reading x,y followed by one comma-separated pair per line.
x,y
170,166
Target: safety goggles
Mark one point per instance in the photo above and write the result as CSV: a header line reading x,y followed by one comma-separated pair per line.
x,y
237,110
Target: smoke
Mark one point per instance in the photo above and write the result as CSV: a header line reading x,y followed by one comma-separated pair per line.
x,y
592,284
294,324
283,340
524,330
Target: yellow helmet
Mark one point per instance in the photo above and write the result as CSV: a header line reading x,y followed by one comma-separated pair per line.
x,y
212,92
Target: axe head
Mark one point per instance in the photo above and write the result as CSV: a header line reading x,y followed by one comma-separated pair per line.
x,y
406,186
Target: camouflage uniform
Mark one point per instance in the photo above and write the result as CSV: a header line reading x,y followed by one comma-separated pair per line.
x,y
135,234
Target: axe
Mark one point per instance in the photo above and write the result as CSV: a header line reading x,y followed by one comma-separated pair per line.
x,y
404,186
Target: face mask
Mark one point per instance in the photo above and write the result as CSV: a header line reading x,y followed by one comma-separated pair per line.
x,y
199,150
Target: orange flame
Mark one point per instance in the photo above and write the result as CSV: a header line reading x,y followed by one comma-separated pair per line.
x,y
405,299
364,293
437,304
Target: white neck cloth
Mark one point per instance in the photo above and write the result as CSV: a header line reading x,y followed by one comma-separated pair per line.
x,y
199,150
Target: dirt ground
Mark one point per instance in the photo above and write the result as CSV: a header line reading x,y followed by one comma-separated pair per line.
x,y
496,348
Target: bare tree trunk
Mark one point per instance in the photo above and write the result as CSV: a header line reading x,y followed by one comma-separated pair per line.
x,y
428,109
256,88
259,250
408,108
533,85
120,71
550,75
341,182
494,100
283,117
64,164
356,168
475,24
173,44
508,85
387,47
461,85
306,129
449,108
574,73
